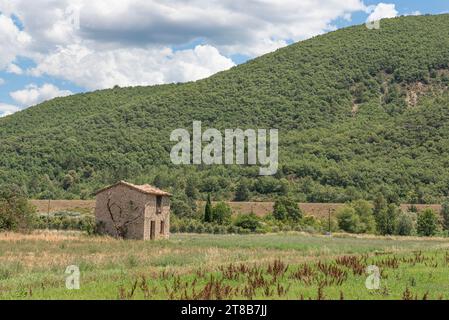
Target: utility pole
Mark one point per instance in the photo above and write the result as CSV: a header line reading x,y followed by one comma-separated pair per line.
x,y
48,215
331,210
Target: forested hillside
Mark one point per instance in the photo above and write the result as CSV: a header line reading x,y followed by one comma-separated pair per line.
x,y
359,112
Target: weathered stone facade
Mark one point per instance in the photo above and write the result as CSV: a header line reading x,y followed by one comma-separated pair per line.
x,y
129,211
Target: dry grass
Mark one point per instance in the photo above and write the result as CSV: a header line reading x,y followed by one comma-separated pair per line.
x,y
36,263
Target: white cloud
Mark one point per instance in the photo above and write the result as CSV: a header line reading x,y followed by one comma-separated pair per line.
x,y
383,10
12,40
13,68
128,42
2,81
7,109
414,13
133,66
225,24
33,94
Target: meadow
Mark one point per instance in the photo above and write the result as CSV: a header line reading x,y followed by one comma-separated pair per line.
x,y
190,266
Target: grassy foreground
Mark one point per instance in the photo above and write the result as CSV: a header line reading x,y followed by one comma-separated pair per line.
x,y
281,266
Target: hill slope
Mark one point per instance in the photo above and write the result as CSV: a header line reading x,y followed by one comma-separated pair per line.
x,y
359,112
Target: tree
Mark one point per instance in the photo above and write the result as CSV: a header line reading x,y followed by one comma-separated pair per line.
x,y
348,220
286,209
191,189
222,213
445,214
182,206
16,213
387,219
365,212
88,172
68,181
208,210
404,226
379,205
427,223
242,192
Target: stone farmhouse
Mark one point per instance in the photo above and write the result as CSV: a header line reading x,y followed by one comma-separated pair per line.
x,y
129,211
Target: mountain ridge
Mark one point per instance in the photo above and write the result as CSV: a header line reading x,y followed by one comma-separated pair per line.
x,y
359,112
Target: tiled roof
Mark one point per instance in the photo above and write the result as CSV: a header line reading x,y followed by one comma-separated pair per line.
x,y
146,188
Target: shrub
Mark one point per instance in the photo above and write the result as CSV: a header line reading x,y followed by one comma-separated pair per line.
x,y
200,228
427,223
174,228
221,213
67,220
348,220
233,229
324,223
287,209
405,225
248,221
310,221
209,228
16,214
216,229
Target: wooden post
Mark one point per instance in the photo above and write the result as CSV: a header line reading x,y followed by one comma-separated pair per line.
x,y
48,215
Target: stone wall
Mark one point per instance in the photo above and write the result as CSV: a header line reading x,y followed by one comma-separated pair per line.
x,y
152,215
132,204
138,208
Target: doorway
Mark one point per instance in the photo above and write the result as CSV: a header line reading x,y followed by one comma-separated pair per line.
x,y
153,230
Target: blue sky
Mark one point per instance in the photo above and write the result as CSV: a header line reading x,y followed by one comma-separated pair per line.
x,y
56,48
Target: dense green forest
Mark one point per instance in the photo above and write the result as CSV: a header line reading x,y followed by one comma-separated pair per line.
x,y
359,112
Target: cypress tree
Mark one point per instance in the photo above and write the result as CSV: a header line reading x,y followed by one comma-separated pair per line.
x,y
208,210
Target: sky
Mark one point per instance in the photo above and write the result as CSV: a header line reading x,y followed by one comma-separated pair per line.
x,y
53,48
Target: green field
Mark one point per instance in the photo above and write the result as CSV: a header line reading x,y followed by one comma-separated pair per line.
x,y
278,266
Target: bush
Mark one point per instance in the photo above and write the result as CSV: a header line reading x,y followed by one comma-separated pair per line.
x,y
66,220
209,229
248,221
287,209
16,214
348,220
221,213
310,221
324,223
427,223
405,225
233,229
